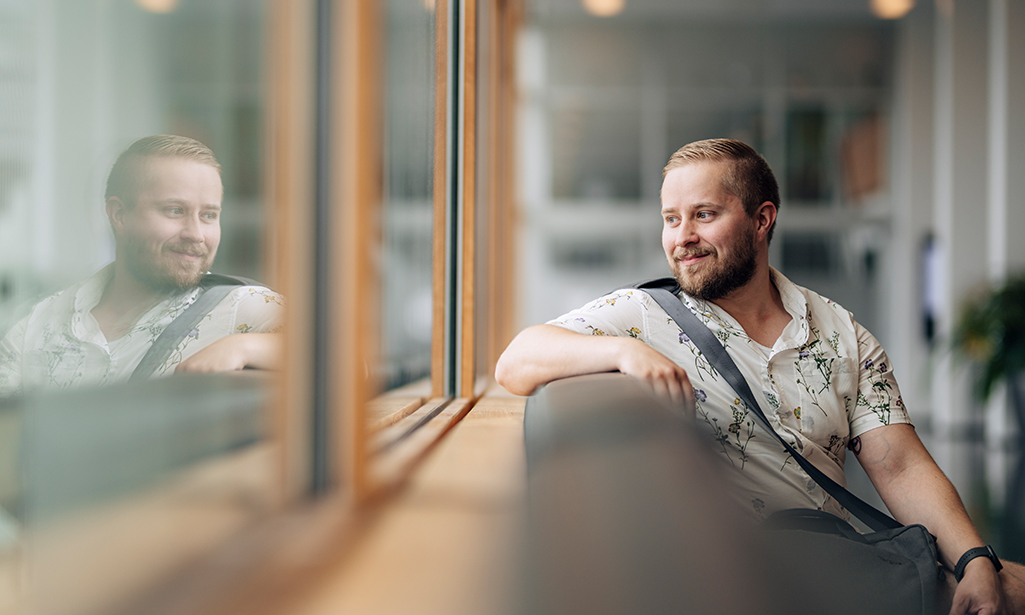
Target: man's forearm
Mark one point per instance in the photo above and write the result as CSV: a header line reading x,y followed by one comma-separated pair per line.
x,y
234,352
924,495
916,490
263,350
543,353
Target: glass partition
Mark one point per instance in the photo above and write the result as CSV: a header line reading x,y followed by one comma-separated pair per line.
x,y
405,259
108,486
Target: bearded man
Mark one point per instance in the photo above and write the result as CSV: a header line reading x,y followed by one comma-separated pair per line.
x,y
824,380
163,200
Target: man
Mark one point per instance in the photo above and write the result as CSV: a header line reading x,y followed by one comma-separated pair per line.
x,y
825,381
163,199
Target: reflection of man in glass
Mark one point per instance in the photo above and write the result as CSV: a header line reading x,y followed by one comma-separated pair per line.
x,y
163,200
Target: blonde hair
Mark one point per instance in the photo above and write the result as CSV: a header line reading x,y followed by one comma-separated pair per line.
x,y
746,176
122,182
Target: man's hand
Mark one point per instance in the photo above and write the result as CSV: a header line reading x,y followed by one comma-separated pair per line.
x,y
235,352
666,378
979,592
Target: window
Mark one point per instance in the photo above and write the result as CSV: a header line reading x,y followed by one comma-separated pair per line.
x,y
366,163
158,472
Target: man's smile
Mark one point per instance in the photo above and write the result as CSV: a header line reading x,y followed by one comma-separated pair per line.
x,y
189,255
692,257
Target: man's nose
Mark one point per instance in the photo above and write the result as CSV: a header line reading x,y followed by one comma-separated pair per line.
x,y
686,234
191,229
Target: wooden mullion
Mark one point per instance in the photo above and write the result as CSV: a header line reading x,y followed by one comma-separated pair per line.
x,y
468,273
440,214
507,221
356,207
287,160
495,148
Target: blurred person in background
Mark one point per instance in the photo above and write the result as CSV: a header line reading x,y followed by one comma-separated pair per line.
x,y
163,200
824,379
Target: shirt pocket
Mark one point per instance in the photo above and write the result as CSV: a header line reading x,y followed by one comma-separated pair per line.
x,y
824,387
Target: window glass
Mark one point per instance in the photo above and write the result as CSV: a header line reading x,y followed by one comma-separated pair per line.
x,y
808,178
161,469
408,188
736,117
595,148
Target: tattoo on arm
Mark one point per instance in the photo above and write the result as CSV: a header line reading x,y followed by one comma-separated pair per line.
x,y
855,445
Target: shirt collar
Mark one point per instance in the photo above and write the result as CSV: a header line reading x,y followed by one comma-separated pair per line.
x,y
86,297
88,294
794,335
90,291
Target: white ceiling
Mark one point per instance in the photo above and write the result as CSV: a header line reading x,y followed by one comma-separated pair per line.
x,y
733,10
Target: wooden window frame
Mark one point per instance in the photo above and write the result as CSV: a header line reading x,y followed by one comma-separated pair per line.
x,y
381,437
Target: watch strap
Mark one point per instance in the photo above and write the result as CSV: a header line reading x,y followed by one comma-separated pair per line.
x,y
986,551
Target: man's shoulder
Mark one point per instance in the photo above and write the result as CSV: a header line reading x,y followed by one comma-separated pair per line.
x,y
625,311
816,303
61,299
238,287
815,299
53,311
621,297
84,292
253,296
820,302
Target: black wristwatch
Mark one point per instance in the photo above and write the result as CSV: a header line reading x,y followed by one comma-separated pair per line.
x,y
971,554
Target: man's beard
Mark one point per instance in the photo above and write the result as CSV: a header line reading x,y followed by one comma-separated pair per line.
x,y
719,277
164,272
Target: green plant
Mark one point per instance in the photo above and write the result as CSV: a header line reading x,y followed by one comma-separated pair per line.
x,y
992,332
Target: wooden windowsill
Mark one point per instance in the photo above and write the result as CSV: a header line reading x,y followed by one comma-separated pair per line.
x,y
447,544
441,539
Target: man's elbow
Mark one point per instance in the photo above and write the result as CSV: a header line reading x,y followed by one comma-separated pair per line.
x,y
525,365
510,374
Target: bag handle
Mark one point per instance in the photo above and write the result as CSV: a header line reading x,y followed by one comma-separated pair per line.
x,y
664,292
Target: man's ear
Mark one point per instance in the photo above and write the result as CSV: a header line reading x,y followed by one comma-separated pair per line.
x,y
116,210
765,217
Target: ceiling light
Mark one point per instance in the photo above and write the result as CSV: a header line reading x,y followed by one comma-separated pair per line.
x,y
603,8
158,6
891,9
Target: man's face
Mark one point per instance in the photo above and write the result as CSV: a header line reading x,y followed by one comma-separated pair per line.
x,y
708,237
170,235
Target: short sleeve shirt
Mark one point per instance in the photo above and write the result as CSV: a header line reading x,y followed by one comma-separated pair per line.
x,y
825,381
59,345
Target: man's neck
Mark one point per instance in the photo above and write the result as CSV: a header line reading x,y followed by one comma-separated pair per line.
x,y
758,307
123,303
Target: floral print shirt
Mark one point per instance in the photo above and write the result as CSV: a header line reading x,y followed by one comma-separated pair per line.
x,y
59,344
825,381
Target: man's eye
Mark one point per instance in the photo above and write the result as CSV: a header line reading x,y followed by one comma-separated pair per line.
x,y
704,215
671,219
174,211
210,215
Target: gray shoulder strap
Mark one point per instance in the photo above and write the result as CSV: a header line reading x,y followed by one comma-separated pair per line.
x,y
715,352
180,327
